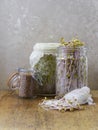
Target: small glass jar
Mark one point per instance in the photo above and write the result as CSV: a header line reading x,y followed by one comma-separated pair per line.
x,y
71,69
24,82
43,65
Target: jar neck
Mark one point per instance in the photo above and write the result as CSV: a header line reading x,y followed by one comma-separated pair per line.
x,y
63,51
24,70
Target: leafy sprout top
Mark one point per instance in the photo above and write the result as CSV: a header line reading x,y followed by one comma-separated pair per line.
x,y
72,43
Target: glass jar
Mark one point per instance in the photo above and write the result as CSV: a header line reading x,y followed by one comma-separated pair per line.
x,y
24,82
71,69
43,65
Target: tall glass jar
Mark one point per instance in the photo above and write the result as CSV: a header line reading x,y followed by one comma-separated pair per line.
x,y
71,69
43,65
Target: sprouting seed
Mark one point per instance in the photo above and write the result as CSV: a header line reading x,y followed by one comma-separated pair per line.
x,y
62,110
45,98
71,109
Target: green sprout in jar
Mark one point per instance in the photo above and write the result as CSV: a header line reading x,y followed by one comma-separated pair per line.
x,y
72,43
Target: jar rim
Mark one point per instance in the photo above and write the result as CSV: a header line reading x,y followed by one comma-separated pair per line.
x,y
24,70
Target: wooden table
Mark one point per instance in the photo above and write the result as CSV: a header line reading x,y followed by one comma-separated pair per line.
x,y
25,114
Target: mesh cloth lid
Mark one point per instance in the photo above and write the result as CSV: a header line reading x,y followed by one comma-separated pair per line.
x,y
46,46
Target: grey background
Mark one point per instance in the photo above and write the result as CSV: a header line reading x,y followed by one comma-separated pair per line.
x,y
25,22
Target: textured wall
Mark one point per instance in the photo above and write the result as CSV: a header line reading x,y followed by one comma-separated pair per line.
x,y
25,22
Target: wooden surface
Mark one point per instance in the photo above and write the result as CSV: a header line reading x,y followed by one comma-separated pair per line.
x,y
25,114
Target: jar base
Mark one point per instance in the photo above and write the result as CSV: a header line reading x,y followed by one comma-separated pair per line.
x,y
46,95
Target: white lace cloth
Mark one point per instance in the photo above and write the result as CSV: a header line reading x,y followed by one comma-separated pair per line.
x,y
70,101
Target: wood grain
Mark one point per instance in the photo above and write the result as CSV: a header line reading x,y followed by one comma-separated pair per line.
x,y
25,114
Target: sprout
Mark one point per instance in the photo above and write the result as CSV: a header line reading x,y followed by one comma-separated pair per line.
x,y
62,41
72,43
45,98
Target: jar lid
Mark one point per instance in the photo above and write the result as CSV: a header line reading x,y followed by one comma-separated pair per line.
x,y
46,46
